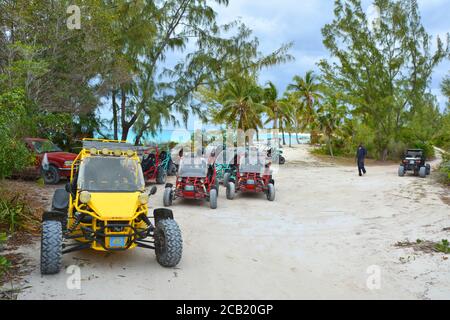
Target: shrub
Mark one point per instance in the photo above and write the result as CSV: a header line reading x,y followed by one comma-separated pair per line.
x,y
445,169
14,156
15,214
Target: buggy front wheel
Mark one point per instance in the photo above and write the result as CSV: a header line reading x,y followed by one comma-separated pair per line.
x,y
168,197
51,247
271,192
168,243
423,172
213,198
428,169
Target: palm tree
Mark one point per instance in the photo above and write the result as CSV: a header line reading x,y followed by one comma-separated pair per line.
x,y
329,119
307,90
241,105
272,103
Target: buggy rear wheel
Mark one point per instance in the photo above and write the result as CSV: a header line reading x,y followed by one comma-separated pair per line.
x,y
172,169
168,243
161,176
231,190
226,178
282,160
51,247
213,198
270,192
168,197
401,171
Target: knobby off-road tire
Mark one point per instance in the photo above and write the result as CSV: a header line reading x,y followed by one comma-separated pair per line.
x,y
213,198
51,176
423,172
161,177
401,171
282,160
428,169
51,247
231,190
168,243
167,199
270,192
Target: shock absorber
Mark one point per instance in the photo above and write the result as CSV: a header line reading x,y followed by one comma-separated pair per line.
x,y
75,224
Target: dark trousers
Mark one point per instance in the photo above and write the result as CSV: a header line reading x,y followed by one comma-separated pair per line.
x,y
361,167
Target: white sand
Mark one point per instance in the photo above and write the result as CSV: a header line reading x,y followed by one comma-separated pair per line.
x,y
326,227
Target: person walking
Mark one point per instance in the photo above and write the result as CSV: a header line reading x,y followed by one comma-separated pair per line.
x,y
360,158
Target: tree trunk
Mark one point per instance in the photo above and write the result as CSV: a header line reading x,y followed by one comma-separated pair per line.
x,y
282,133
296,137
330,146
115,121
290,140
384,154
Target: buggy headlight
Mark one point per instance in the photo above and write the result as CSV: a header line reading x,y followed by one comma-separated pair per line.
x,y
85,197
143,198
68,163
105,152
93,151
117,153
130,153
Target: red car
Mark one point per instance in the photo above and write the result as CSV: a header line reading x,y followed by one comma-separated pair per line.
x,y
60,162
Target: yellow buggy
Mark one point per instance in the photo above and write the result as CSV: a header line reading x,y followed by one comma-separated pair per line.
x,y
105,207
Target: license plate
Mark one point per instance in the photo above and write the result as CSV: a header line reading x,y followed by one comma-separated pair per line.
x,y
189,188
251,182
117,242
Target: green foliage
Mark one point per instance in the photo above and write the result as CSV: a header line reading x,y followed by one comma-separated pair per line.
x,y
383,72
445,169
14,156
5,264
443,246
15,213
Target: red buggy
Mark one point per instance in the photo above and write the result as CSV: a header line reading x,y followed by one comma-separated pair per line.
x,y
152,166
196,180
252,174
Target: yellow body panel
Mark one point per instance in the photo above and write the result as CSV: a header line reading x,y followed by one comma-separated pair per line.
x,y
115,206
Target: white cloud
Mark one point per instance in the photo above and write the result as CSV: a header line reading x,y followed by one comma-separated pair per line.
x,y
301,21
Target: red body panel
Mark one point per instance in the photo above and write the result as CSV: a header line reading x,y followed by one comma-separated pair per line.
x,y
55,159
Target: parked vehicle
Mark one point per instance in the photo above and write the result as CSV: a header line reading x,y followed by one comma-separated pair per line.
x,y
414,160
105,208
59,162
251,173
196,180
153,167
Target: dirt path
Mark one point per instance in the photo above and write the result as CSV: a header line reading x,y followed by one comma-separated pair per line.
x,y
317,240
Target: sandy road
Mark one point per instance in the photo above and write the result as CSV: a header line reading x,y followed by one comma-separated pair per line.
x,y
316,241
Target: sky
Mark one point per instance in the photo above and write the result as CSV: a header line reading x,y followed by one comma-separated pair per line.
x,y
276,22
301,21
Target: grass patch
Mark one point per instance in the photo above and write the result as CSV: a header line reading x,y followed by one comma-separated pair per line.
x,y
426,246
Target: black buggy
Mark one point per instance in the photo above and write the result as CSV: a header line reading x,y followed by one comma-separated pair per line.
x,y
414,160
